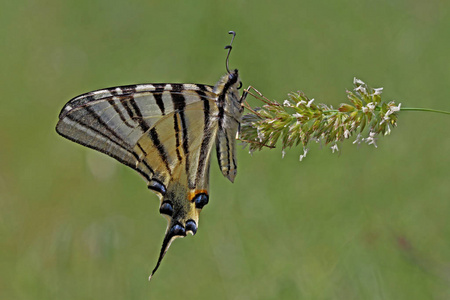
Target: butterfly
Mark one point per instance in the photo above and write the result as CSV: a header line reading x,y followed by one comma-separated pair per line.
x,y
166,133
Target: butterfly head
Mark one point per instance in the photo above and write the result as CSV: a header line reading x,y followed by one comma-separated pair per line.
x,y
227,90
234,80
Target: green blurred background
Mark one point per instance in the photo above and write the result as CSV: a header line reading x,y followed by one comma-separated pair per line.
x,y
365,224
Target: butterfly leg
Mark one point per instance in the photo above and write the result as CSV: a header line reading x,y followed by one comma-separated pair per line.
x,y
259,97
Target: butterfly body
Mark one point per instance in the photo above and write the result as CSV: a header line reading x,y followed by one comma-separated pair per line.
x,y
166,133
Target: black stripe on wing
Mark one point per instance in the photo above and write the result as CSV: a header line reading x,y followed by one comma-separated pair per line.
x,y
161,149
176,128
120,113
206,142
142,123
179,104
158,97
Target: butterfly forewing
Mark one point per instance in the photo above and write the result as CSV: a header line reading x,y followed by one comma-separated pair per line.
x,y
113,120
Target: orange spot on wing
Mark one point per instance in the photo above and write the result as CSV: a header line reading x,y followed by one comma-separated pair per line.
x,y
193,193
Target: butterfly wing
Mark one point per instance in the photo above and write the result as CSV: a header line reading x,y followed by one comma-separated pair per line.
x,y
165,132
113,120
229,117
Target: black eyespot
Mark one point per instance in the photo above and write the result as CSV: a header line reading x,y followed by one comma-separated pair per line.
x,y
240,85
200,200
177,229
157,186
191,226
166,208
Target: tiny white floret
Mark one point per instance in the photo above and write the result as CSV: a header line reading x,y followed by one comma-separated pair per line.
x,y
371,140
300,103
286,103
388,131
395,108
357,81
334,148
370,107
377,91
361,89
346,133
358,139
305,151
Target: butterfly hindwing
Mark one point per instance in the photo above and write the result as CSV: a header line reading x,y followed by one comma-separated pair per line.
x,y
179,145
230,111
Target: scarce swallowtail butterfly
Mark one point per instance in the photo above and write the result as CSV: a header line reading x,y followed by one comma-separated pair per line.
x,y
166,133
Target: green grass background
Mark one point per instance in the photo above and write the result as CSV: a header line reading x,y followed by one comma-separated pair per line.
x,y
365,224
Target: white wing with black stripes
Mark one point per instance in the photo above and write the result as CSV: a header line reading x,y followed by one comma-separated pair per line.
x,y
166,133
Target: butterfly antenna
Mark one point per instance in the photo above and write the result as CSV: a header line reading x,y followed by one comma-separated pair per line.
x,y
229,48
